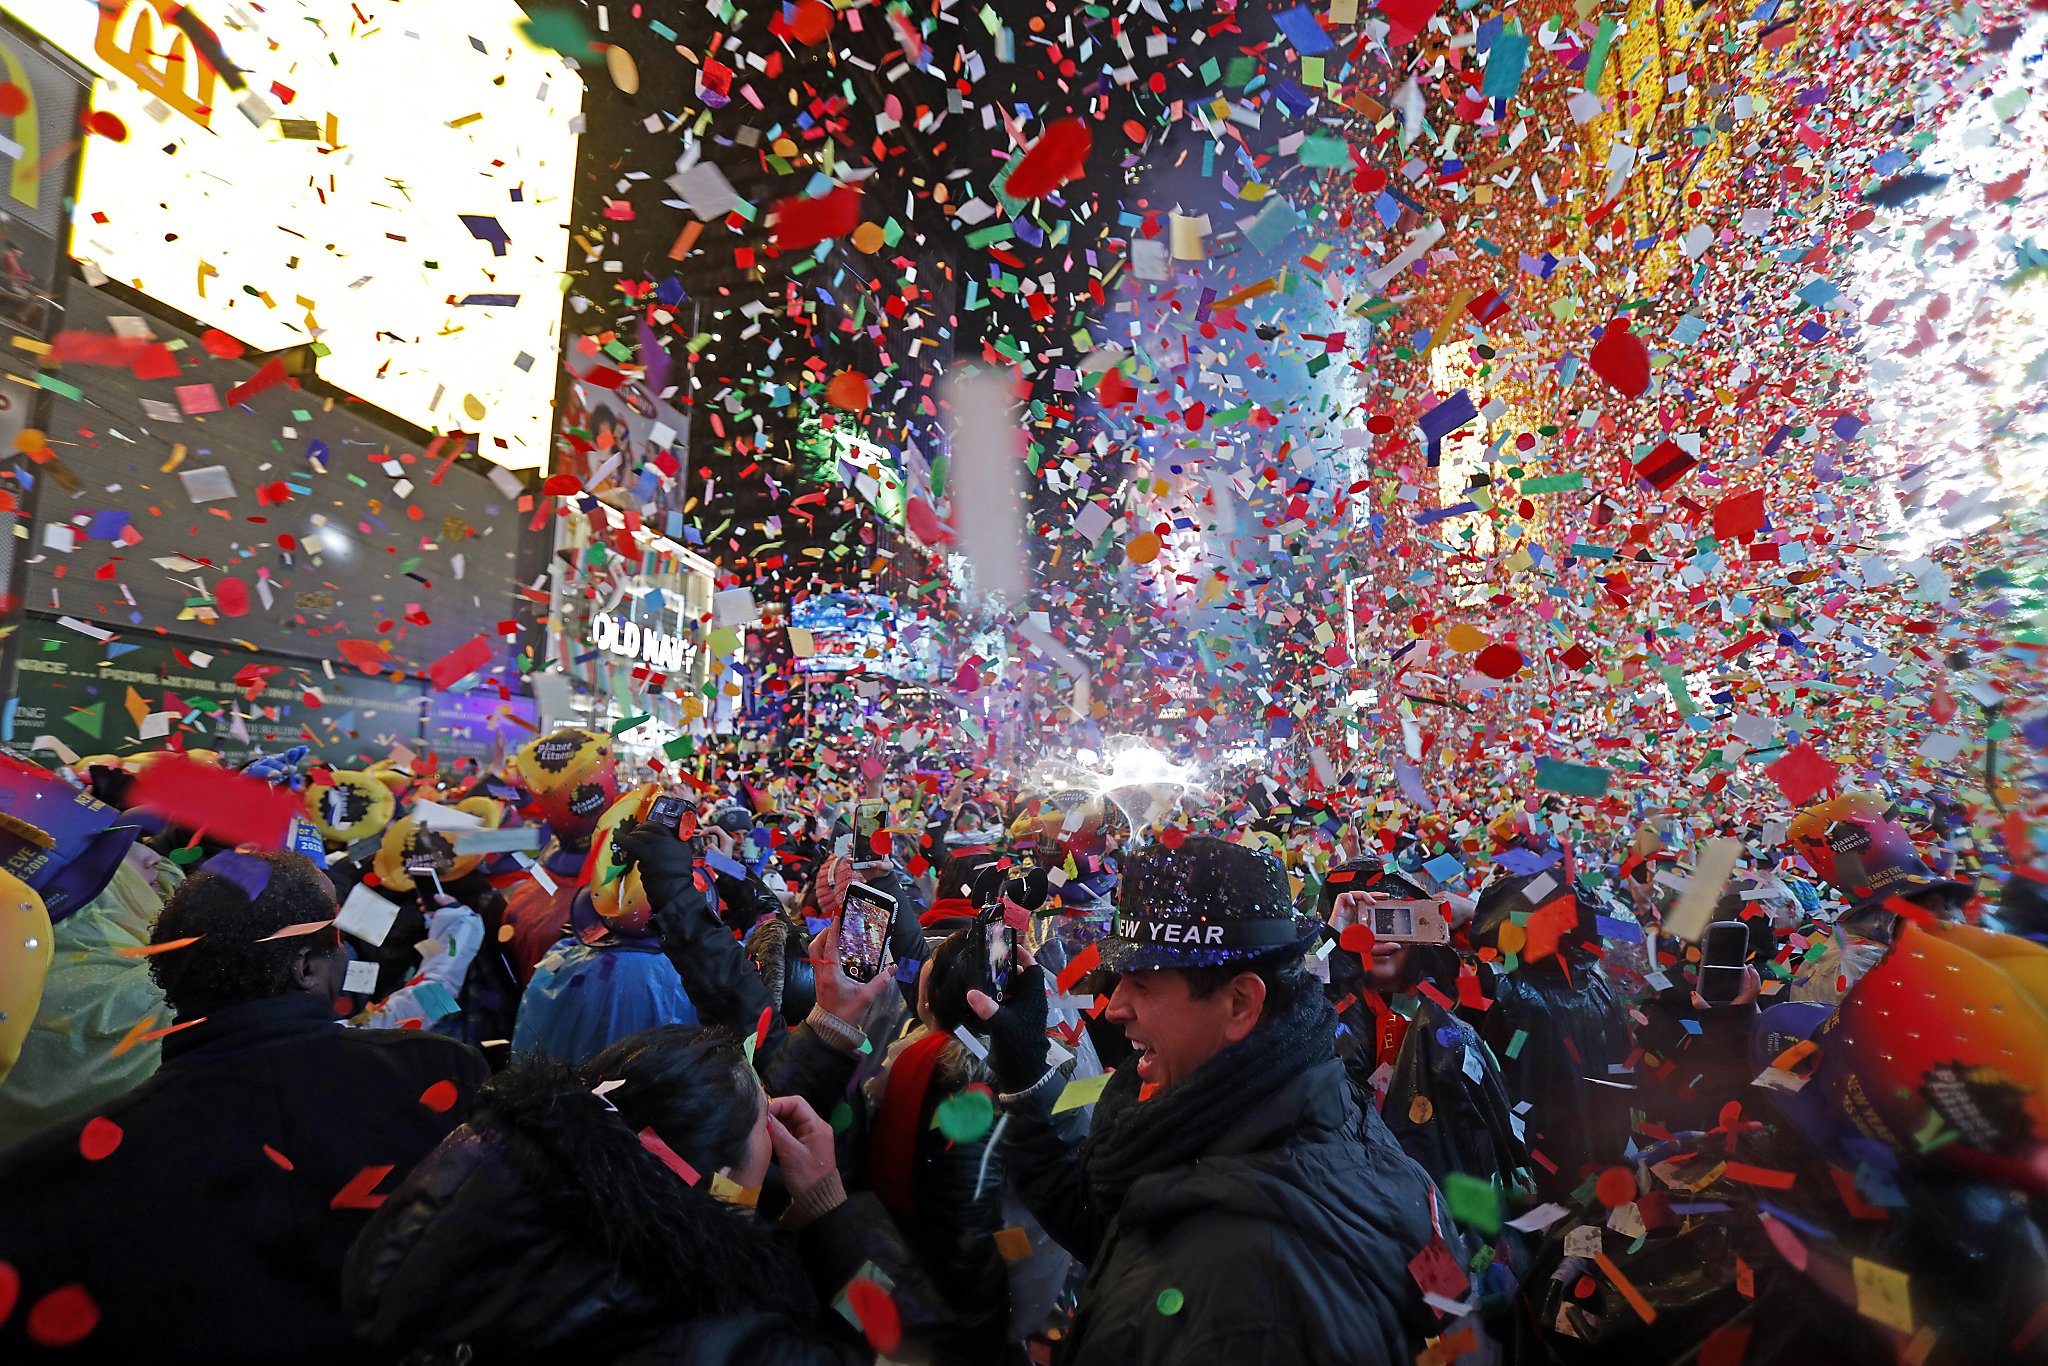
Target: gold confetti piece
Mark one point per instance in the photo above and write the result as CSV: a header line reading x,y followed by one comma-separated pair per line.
x,y
177,459
625,73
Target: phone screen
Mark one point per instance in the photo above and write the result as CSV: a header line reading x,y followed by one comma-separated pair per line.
x,y
1002,954
1393,922
1411,922
1723,955
864,931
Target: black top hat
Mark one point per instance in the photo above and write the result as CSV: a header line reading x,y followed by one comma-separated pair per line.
x,y
1203,904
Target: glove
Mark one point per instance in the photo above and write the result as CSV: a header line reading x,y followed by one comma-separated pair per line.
x,y
668,870
1017,1046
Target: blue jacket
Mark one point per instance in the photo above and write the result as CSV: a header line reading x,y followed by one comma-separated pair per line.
x,y
584,997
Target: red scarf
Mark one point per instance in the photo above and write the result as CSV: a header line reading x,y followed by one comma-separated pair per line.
x,y
892,1142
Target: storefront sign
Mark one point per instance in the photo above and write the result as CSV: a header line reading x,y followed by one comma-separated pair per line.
x,y
629,639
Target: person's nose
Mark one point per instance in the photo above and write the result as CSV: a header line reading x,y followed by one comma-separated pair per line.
x,y
1121,1010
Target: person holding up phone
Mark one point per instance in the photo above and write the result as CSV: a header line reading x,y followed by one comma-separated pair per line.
x,y
1438,1087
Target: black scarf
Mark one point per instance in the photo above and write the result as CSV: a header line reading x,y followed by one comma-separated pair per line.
x,y
1129,1139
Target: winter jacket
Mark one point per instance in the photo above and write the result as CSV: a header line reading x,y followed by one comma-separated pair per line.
x,y
207,1212
1445,1102
1555,1031
544,1231
1288,1244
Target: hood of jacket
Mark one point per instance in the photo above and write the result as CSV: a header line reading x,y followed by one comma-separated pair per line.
x,y
544,1226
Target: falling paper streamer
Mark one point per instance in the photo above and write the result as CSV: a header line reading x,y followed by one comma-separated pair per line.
x,y
1710,871
987,489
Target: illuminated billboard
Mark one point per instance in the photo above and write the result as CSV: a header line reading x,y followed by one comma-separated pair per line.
x,y
390,183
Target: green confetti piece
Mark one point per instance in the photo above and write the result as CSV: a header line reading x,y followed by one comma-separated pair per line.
x,y
967,1116
624,724
1596,60
1514,1048
1474,1203
559,30
1580,780
1171,1301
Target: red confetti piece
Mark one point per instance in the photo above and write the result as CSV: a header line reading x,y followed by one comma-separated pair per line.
x,y
220,345
877,1314
1079,966
1115,390
925,523
1622,360
1802,773
1499,661
231,598
1616,1186
460,662
812,22
268,377
366,655
1407,18
1059,155
670,1158
10,1289
1759,1176
229,807
13,100
1356,939
848,390
275,1156
1739,516
106,124
803,223
357,1193
62,1317
98,1139
439,1097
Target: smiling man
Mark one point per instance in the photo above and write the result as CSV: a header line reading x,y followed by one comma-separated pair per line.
x,y
1233,1199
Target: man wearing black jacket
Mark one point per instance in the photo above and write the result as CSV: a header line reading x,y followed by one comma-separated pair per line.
x,y
1233,1200
204,1216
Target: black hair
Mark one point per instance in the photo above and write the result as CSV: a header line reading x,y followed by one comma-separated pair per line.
x,y
693,1086
958,870
1285,974
232,959
959,965
1363,875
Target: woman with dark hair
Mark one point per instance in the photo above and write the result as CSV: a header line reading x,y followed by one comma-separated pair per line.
x,y
609,1213
1438,1086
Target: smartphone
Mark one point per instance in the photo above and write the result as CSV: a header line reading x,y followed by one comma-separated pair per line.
x,y
1002,956
1410,922
864,931
1724,953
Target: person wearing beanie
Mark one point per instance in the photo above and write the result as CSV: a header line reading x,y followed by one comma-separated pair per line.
x,y
1233,1200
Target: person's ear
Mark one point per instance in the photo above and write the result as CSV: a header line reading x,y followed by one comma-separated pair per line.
x,y
306,967
1245,1002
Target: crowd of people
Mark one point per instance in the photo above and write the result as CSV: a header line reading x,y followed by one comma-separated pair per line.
x,y
804,1062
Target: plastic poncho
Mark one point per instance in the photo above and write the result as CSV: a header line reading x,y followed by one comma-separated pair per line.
x,y
584,997
92,998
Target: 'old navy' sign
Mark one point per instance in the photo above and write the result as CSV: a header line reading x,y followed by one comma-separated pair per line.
x,y
629,639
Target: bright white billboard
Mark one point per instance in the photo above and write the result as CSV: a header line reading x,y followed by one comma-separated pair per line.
x,y
392,183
